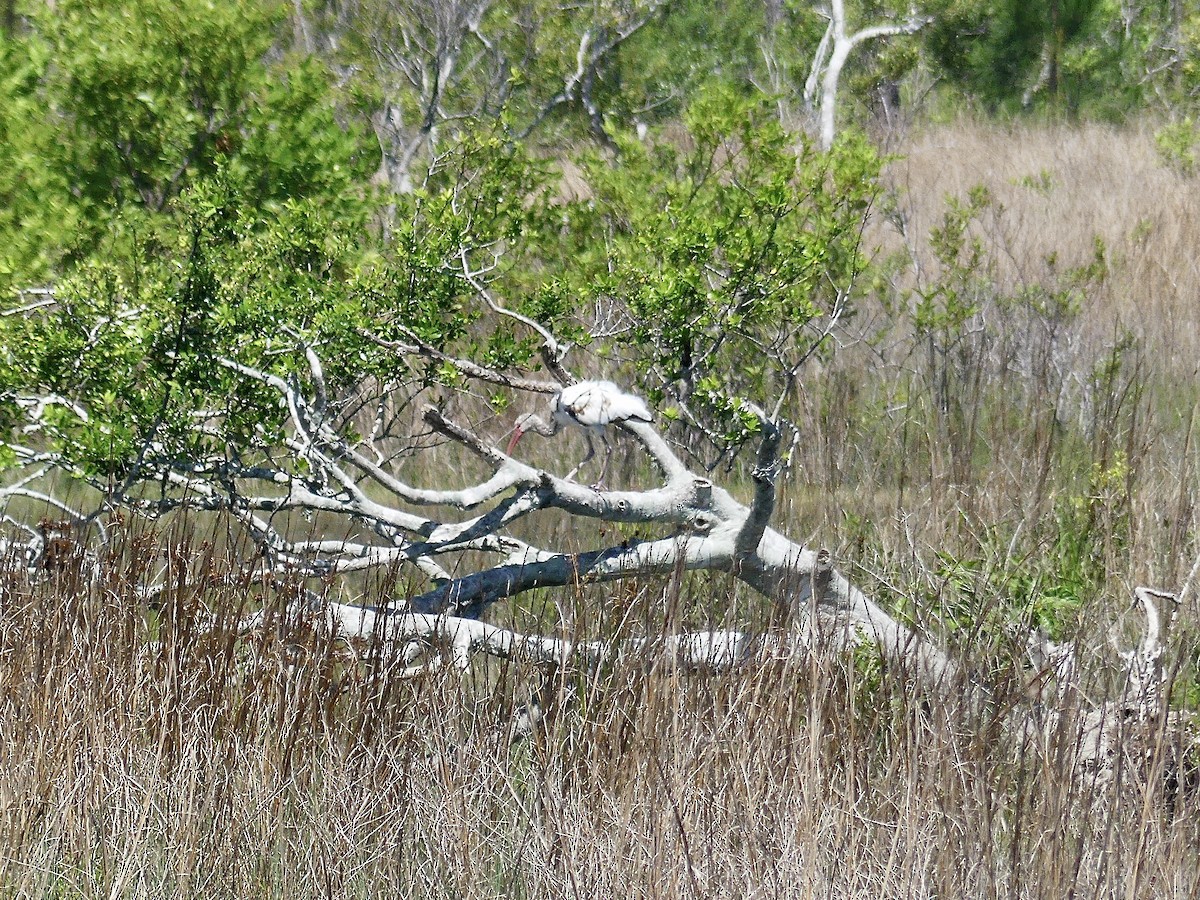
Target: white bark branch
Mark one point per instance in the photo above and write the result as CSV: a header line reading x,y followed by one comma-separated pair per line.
x,y
466,366
818,66
714,652
843,45
552,352
762,509
1143,666
711,530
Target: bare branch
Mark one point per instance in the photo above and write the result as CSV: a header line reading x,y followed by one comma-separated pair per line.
x,y
818,64
709,529
316,369
47,298
470,594
473,279
1143,667
660,451
713,652
35,409
468,368
843,45
552,353
763,507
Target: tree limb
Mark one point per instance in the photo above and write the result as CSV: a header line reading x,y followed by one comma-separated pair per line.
x,y
762,509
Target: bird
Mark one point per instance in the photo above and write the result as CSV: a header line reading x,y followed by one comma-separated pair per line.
x,y
590,405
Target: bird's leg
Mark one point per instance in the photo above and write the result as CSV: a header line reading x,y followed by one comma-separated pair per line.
x,y
607,459
583,462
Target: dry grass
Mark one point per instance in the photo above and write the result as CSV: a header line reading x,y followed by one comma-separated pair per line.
x,y
1061,187
143,756
272,768
963,440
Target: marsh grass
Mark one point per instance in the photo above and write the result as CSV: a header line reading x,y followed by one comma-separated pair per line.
x,y
275,766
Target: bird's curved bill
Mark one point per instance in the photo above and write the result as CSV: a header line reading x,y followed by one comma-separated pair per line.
x,y
512,442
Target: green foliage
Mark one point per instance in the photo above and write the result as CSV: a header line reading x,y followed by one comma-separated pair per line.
x,y
1177,145
1064,297
529,62
944,306
108,110
720,251
190,194
487,193
723,248
145,86
1046,579
1073,567
697,46
136,337
37,216
674,57
293,143
1011,52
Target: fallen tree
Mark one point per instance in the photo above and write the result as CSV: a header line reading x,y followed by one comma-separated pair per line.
x,y
708,529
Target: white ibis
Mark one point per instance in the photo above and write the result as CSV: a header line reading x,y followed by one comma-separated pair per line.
x,y
590,405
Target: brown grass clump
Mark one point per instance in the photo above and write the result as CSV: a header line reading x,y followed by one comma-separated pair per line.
x,y
1061,187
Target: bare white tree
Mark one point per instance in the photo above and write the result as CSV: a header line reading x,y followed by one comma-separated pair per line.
x,y
449,62
1143,666
821,87
465,554
706,527
1132,735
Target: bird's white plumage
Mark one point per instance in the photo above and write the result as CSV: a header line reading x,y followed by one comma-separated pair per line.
x,y
590,405
600,403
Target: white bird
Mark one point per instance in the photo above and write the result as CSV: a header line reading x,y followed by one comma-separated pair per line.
x,y
590,405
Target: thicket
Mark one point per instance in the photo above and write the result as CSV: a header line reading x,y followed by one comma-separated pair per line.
x,y
973,320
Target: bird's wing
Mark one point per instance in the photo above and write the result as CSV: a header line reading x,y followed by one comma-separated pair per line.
x,y
631,408
598,403
584,402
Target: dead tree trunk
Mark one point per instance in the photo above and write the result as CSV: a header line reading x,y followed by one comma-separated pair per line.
x,y
706,527
831,57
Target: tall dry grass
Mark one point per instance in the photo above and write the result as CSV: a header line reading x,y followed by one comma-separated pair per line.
x,y
144,757
1048,396
1061,187
168,761
155,753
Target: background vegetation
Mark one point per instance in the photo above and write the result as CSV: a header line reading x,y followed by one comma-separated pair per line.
x,y
978,313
